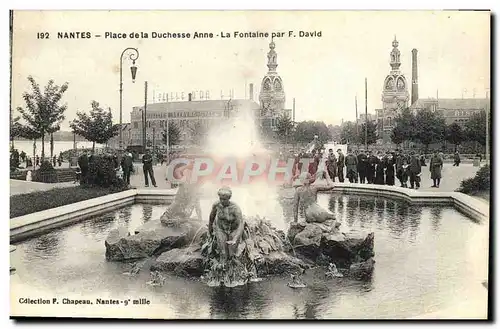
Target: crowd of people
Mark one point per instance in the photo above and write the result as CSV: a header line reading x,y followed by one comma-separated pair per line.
x,y
368,167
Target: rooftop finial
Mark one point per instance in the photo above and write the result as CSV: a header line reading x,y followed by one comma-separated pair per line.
x,y
272,57
395,55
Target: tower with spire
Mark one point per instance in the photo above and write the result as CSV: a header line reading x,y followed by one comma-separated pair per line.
x,y
272,94
395,95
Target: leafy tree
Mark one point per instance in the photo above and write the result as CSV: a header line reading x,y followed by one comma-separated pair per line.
x,y
455,134
43,113
429,127
15,129
475,128
371,133
348,133
284,127
174,134
97,127
306,130
398,135
198,132
31,134
404,127
335,132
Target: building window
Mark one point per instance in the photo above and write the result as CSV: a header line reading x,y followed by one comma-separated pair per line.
x,y
136,125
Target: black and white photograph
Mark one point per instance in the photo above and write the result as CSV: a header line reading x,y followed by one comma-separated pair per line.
x,y
250,165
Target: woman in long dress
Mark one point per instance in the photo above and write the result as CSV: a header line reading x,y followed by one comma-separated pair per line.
x,y
379,170
389,169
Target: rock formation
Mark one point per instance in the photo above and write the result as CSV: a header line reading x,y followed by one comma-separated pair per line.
x,y
181,247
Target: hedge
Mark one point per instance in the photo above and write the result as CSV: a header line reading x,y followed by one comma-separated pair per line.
x,y
23,204
479,183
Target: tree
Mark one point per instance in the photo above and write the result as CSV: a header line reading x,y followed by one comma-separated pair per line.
x,y
371,133
398,135
43,113
15,129
31,134
475,128
404,127
284,127
306,130
174,134
348,134
97,127
335,132
198,132
454,134
429,127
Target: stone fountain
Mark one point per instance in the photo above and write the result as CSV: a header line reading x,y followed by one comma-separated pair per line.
x,y
179,244
184,246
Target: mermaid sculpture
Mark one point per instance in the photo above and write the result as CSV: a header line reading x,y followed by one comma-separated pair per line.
x,y
186,199
305,200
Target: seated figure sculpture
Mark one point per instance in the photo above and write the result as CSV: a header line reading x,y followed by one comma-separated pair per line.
x,y
227,262
305,200
186,199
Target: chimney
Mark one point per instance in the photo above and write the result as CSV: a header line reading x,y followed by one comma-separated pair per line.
x,y
414,77
189,97
251,91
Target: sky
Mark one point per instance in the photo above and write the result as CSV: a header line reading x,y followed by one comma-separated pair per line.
x,y
324,74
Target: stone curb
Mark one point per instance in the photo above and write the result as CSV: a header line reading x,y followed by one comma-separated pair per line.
x,y
31,225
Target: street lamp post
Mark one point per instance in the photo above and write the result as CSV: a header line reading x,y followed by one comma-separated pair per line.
x,y
133,69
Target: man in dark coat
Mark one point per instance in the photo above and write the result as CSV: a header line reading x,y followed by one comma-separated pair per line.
x,y
127,166
456,159
362,166
331,165
370,168
351,163
340,165
147,161
83,163
402,168
435,167
414,171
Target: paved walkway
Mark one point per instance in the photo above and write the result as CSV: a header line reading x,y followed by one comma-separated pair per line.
x,y
22,187
452,176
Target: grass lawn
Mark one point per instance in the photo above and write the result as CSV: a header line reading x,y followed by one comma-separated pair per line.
x,y
23,204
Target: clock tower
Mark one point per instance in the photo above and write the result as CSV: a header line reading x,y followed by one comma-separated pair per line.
x,y
272,94
395,95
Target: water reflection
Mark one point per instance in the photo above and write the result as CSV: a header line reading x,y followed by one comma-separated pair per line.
x,y
45,246
97,225
232,303
147,212
125,214
71,260
352,203
436,217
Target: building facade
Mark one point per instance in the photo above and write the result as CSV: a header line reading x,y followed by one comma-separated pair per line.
x,y
188,116
395,96
453,110
272,92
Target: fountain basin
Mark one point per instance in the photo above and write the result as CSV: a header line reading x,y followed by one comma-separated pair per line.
x,y
31,225
425,257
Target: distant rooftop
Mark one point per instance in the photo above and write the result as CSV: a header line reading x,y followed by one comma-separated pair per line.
x,y
453,103
215,104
